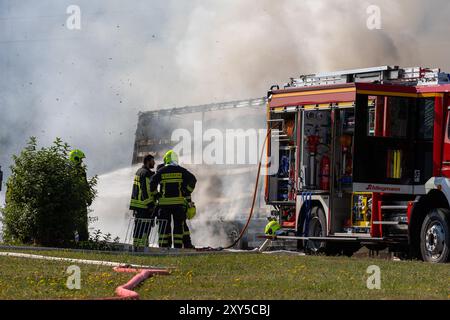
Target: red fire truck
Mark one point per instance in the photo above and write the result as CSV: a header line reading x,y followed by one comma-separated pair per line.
x,y
362,158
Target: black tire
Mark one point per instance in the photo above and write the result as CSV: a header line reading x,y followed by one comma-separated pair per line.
x,y
435,236
317,227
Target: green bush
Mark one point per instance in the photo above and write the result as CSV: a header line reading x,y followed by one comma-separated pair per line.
x,y
46,197
99,241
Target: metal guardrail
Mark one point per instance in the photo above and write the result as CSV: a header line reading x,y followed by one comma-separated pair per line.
x,y
145,229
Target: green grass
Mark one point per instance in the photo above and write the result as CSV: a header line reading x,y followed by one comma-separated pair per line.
x,y
39,279
229,276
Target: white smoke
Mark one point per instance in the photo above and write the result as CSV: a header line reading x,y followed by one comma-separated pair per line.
x,y
216,207
111,207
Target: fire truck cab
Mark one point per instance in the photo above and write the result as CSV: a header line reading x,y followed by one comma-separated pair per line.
x,y
362,158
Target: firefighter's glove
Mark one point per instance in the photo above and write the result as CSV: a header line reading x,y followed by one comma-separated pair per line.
x,y
191,211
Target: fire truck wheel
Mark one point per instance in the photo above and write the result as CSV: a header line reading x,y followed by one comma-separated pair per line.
x,y
316,228
435,236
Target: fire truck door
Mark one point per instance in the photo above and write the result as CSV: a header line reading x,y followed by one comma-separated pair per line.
x,y
446,156
383,151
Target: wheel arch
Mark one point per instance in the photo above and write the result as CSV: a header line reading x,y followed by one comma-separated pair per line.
x,y
433,200
302,214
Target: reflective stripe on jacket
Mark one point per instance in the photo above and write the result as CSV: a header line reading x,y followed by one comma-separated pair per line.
x,y
176,183
141,197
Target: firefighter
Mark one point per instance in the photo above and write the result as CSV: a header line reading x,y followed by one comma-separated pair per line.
x,y
176,185
160,166
1,178
190,213
76,158
272,227
142,203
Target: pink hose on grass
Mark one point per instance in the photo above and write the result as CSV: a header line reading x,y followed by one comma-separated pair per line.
x,y
125,291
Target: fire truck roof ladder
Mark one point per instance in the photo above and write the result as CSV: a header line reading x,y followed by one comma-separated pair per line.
x,y
413,76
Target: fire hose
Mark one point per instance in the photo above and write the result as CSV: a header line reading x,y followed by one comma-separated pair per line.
x,y
255,192
123,292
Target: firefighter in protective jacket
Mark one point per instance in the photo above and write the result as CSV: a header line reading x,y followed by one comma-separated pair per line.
x,y
176,185
76,158
142,203
190,208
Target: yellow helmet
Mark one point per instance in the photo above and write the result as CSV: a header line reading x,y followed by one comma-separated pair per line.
x,y
76,156
272,227
191,211
170,157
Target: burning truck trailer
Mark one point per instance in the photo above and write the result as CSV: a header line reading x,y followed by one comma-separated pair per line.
x,y
226,176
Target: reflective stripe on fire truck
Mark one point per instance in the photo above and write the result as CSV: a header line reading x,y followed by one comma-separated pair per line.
x,y
400,94
314,92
